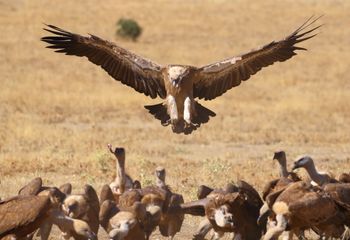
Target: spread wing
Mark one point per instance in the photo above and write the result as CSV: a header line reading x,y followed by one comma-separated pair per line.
x,y
196,208
215,79
139,73
203,191
12,217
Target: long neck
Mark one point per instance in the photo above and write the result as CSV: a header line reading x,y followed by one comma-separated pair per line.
x,y
121,178
283,168
64,222
160,183
314,175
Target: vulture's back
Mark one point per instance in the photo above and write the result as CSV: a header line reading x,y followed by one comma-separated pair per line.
x,y
21,215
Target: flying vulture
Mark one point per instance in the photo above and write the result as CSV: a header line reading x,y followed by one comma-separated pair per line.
x,y
178,85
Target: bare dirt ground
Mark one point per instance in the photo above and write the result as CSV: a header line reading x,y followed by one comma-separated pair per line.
x,y
57,113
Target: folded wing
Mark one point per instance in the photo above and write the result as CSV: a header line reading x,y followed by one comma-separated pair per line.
x,y
12,213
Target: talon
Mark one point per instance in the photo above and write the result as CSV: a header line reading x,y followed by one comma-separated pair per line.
x,y
191,124
166,123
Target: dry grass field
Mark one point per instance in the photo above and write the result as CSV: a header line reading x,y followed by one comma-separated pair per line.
x,y
57,113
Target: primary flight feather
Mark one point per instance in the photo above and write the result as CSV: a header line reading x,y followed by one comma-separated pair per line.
x,y
179,85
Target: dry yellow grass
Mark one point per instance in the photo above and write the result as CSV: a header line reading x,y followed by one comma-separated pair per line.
x,y
57,113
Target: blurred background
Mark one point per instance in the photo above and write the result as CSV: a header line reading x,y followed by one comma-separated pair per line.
x,y
58,113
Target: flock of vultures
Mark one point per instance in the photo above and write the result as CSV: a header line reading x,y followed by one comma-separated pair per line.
x,y
127,210
288,206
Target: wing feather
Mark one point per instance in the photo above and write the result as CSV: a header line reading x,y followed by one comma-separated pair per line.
x,y
196,208
215,79
134,71
31,188
12,217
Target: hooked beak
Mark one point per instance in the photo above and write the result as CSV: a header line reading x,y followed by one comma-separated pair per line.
x,y
223,219
70,211
91,236
295,166
119,233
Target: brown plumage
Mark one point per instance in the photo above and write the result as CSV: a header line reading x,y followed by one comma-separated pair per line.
x,y
24,214
32,188
106,194
155,201
300,206
180,85
233,209
13,221
340,192
127,224
153,198
317,178
344,178
108,209
66,188
35,187
85,207
275,187
122,180
124,221
203,192
170,222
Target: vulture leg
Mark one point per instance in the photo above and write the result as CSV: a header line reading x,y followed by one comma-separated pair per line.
x,y
217,235
203,229
287,235
172,107
275,232
188,110
159,111
237,236
45,230
265,212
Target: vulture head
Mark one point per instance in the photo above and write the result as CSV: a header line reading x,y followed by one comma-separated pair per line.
x,y
82,228
223,210
160,173
124,222
303,162
223,217
119,153
75,205
280,156
56,196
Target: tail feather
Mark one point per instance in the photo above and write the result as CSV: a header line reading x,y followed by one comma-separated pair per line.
x,y
159,111
203,114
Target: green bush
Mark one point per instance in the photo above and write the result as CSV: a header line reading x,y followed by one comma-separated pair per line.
x,y
128,28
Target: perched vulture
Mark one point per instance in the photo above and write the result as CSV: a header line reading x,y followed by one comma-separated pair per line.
x,y
178,85
23,214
